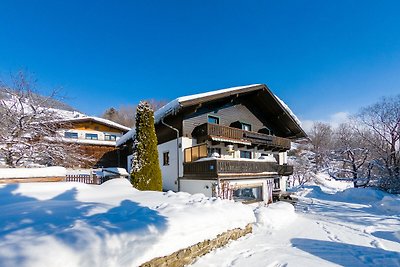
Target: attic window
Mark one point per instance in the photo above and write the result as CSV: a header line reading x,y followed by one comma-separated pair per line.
x,y
213,119
246,126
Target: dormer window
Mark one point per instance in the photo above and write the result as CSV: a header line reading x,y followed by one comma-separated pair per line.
x,y
213,119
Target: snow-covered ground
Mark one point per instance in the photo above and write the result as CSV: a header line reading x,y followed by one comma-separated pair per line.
x,y
354,227
74,224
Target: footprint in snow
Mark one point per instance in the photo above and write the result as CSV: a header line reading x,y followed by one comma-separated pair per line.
x,y
377,244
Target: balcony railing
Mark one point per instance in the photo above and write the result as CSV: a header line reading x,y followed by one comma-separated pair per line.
x,y
219,167
209,130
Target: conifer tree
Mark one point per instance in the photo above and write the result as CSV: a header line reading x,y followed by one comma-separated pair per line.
x,y
146,172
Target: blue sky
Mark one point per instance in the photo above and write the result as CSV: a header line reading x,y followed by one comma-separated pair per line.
x,y
320,57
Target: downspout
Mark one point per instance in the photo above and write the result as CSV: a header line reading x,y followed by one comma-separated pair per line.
x,y
177,149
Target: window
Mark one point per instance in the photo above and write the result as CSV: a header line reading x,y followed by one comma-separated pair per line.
x,y
110,137
212,150
195,152
166,158
246,126
277,184
245,154
248,194
91,136
213,119
71,135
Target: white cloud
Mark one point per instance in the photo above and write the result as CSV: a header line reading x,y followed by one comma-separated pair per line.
x,y
334,120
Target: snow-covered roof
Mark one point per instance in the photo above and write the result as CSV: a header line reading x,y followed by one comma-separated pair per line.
x,y
98,120
288,110
177,104
129,135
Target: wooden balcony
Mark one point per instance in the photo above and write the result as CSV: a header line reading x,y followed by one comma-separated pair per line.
x,y
230,168
209,131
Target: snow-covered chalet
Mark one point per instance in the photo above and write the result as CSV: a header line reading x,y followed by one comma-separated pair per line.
x,y
95,137
230,143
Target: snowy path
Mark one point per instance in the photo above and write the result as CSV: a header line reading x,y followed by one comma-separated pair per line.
x,y
325,233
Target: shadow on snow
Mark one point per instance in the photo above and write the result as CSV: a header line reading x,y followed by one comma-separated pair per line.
x,y
347,254
70,221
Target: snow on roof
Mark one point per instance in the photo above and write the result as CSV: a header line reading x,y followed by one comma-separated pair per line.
x,y
175,105
99,120
123,139
289,110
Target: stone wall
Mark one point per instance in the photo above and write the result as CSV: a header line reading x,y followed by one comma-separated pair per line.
x,y
188,255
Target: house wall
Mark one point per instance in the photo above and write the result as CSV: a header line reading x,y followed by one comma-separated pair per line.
x,y
82,135
283,158
283,183
227,114
267,184
256,153
207,187
198,186
93,126
170,172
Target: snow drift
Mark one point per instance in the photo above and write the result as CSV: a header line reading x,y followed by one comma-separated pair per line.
x,y
276,215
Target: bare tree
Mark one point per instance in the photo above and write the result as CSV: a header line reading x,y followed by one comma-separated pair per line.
x,y
304,168
321,140
29,127
379,126
125,114
350,156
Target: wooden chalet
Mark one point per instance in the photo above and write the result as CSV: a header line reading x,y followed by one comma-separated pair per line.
x,y
230,143
96,139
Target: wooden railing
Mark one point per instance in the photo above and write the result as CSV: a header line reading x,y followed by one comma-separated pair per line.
x,y
273,142
217,167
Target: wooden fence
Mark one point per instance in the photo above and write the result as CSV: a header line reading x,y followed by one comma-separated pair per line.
x,y
84,178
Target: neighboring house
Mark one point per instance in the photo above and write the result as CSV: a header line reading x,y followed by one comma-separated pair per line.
x,y
230,143
96,138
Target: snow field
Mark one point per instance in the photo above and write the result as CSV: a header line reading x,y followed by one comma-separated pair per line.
x,y
331,227
74,224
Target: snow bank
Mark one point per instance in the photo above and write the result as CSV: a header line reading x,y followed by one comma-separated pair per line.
x,y
330,185
276,215
389,204
361,195
32,172
108,225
